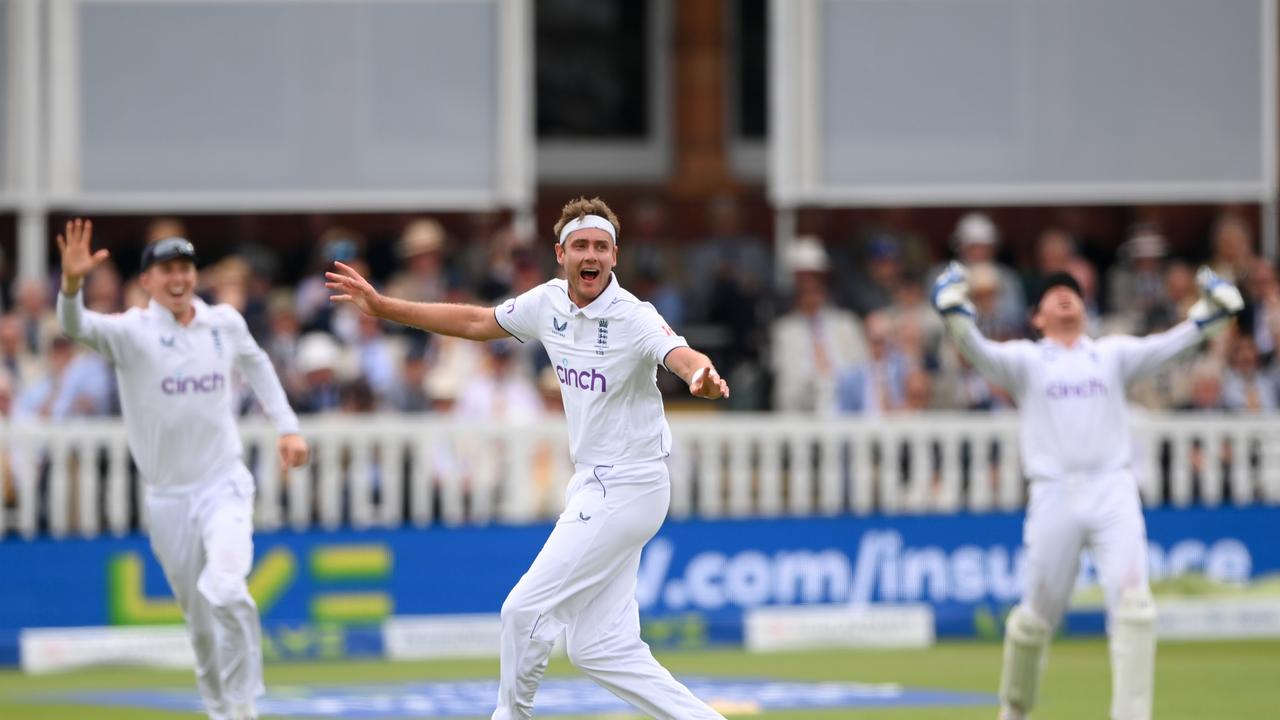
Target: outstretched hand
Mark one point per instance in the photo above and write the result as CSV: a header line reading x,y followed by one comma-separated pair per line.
x,y
707,383
78,258
351,287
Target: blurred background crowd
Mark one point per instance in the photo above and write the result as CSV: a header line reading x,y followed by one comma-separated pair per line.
x,y
834,326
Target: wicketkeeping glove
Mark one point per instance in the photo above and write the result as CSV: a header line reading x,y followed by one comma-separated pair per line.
x,y
1219,300
951,291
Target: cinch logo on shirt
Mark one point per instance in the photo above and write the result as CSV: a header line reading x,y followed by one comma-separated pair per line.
x,y
1083,389
189,385
580,379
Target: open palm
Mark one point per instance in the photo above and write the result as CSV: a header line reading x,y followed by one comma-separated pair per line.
x,y
78,258
351,287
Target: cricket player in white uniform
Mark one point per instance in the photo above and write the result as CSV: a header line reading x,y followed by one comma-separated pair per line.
x,y
173,363
606,346
1074,438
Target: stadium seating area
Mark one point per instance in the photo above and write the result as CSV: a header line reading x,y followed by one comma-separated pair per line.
x,y
825,328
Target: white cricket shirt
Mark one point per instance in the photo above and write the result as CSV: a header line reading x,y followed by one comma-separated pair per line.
x,y
606,356
175,385
1071,400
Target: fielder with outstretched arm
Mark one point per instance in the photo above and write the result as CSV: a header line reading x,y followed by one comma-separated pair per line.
x,y
1074,440
173,362
606,347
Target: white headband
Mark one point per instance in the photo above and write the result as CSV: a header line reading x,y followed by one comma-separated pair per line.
x,y
588,221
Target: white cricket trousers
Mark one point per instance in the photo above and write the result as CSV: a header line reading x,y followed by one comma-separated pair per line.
x,y
203,538
1101,512
584,580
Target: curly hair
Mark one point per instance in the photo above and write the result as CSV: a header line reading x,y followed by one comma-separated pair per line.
x,y
581,207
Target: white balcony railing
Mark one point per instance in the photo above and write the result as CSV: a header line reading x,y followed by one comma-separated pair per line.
x,y
388,470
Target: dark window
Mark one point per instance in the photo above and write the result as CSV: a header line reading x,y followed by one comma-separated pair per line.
x,y
592,69
750,65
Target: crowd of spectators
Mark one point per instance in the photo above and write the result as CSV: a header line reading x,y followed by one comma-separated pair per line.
x,y
820,328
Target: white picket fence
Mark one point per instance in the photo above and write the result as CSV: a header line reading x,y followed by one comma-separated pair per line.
x,y
387,470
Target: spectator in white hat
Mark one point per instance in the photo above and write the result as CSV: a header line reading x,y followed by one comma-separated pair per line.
x,y
814,342
320,360
976,240
1135,285
421,249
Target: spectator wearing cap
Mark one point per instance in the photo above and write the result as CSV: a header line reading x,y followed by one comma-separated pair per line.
x,y
421,249
814,342
336,244
1135,284
976,240
321,362
877,276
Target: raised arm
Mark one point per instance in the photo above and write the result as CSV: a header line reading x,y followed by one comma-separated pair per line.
x,y
1000,362
471,322
96,330
1219,302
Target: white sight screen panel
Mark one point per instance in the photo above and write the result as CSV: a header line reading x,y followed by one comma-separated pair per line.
x,y
6,67
281,96
1023,94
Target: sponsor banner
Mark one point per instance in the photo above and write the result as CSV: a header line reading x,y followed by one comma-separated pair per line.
x,y
323,594
44,650
1218,619
55,649
812,627
427,637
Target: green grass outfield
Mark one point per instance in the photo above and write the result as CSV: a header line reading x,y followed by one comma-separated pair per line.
x,y
1195,681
